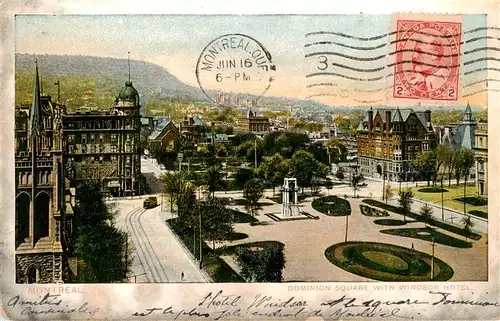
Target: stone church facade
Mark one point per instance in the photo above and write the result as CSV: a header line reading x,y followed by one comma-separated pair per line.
x,y
43,228
50,145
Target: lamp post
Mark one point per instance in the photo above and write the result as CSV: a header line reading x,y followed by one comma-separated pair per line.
x,y
201,249
433,244
442,204
255,151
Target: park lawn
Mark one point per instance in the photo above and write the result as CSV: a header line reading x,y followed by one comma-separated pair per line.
x,y
449,201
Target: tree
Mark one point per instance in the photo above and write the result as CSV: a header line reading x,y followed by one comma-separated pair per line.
x,y
285,143
315,186
340,174
457,164
405,201
304,167
261,265
426,214
186,203
444,158
356,180
162,156
94,172
467,225
329,185
466,164
99,244
424,164
216,220
388,193
214,179
338,151
319,152
273,169
172,186
252,192
242,176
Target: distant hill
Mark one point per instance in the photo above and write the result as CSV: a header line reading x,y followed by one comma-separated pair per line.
x,y
104,77
149,79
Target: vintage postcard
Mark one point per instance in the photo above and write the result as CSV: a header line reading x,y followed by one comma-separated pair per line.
x,y
251,167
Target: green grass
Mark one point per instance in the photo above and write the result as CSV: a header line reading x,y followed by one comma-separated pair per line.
x,y
387,262
479,213
444,226
240,217
230,250
216,267
427,234
472,200
332,205
450,197
432,190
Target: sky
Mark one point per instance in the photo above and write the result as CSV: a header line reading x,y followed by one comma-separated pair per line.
x,y
175,42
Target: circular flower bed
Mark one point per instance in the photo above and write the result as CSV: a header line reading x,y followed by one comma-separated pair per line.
x,y
372,211
387,262
332,205
389,222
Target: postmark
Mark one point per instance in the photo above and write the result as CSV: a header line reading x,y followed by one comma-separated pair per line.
x,y
427,60
235,70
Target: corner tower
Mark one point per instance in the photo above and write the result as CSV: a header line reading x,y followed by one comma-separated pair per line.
x,y
127,108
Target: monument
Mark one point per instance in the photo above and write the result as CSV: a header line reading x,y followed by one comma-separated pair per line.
x,y
290,198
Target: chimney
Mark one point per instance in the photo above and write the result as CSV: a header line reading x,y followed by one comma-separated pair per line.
x,y
387,122
428,115
370,120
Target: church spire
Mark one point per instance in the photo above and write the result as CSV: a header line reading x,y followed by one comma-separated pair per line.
x,y
468,113
35,112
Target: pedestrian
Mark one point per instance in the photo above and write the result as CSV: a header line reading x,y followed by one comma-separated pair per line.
x,y
182,275
412,247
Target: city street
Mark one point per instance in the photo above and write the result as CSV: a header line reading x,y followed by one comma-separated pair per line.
x,y
158,256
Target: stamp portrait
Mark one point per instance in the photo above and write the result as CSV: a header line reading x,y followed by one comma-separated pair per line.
x,y
427,60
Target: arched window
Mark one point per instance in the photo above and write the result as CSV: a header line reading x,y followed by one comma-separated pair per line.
x,y
32,274
42,212
22,218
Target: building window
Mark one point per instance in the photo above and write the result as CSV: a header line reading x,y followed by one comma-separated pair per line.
x,y
84,149
113,158
92,138
93,149
101,148
114,148
71,139
113,137
84,139
101,137
410,147
417,147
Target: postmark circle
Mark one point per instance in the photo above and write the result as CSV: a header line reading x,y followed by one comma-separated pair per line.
x,y
235,70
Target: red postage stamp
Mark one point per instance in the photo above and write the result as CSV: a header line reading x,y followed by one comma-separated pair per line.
x,y
427,64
